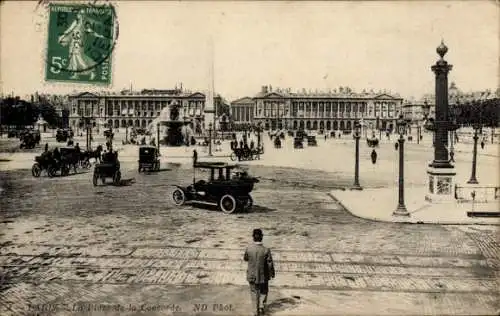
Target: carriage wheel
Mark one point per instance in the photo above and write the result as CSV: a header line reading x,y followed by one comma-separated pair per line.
x,y
116,178
36,170
178,197
95,178
227,204
64,170
233,156
51,171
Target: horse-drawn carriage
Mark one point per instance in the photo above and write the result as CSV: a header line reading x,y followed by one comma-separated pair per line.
x,y
229,193
372,142
246,153
298,143
108,168
148,158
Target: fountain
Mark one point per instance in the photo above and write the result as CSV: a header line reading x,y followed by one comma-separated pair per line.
x,y
174,131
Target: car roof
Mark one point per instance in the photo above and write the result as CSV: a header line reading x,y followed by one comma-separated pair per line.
x,y
214,165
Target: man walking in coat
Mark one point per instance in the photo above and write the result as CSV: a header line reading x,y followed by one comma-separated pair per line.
x,y
260,271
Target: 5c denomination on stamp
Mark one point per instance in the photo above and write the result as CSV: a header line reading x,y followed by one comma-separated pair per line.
x,y
81,39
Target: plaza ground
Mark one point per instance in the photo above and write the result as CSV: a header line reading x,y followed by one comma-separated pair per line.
x,y
67,242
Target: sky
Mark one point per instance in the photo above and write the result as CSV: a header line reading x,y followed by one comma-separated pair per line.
x,y
313,45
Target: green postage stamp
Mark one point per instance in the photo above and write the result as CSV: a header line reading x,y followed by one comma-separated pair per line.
x,y
81,38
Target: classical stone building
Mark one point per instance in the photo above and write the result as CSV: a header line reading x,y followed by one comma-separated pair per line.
x,y
134,109
242,111
325,110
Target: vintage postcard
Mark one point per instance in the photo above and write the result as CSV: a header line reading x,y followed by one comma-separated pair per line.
x,y
278,158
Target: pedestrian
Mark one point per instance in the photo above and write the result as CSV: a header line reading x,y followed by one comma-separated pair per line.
x,y
46,147
396,146
482,144
195,157
260,271
374,156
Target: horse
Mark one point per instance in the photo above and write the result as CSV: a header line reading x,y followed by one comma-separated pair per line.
x,y
87,155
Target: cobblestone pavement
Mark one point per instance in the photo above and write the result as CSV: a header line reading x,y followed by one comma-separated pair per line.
x,y
69,247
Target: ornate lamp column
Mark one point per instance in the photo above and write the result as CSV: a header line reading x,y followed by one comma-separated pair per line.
x,y
401,209
158,136
473,179
357,135
441,171
210,139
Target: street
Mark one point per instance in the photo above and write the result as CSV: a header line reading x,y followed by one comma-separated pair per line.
x,y
72,246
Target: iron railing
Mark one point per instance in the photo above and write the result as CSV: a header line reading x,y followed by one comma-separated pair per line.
x,y
478,194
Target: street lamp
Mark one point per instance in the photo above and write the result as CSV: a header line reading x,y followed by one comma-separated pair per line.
x,y
87,121
357,136
401,209
210,139
158,136
476,125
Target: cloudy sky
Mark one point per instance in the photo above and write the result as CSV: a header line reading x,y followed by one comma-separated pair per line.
x,y
313,45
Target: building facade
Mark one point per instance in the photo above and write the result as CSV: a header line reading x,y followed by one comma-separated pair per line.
x,y
242,111
325,111
134,109
413,110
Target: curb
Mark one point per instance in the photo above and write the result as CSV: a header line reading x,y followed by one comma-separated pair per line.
x,y
374,219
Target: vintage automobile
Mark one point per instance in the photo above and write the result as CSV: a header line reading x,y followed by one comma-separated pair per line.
x,y
148,158
28,141
62,135
311,141
108,168
229,193
298,142
47,161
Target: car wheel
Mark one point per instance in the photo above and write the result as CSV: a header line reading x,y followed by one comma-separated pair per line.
x,y
36,170
233,156
95,178
227,204
178,197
